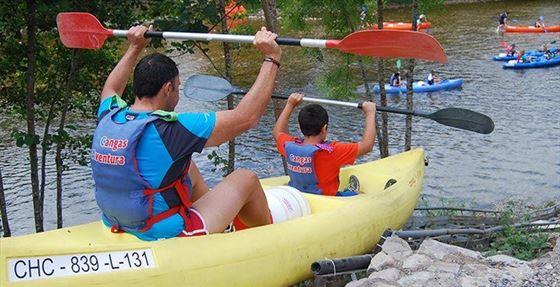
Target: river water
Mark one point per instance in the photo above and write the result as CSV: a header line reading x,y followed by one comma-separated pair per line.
x,y
520,160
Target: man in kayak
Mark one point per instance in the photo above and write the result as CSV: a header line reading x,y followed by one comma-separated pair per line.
x,y
502,21
145,181
314,163
433,78
522,57
395,80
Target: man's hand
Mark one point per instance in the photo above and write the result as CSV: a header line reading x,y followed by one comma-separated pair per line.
x,y
265,42
135,36
368,108
295,99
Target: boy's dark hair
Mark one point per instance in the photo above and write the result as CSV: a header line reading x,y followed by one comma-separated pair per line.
x,y
151,73
311,119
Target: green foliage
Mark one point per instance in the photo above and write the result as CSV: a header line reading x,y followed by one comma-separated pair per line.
x,y
520,243
219,162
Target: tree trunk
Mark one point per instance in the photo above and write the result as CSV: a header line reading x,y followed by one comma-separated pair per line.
x,y
61,145
272,24
3,211
229,67
30,112
44,147
409,80
384,138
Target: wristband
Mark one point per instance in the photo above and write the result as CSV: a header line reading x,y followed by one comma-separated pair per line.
x,y
270,59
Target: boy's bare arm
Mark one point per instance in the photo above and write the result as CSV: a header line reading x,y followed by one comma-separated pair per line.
x,y
368,138
281,125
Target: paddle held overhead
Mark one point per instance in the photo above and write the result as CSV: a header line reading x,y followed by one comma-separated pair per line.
x,y
210,88
83,30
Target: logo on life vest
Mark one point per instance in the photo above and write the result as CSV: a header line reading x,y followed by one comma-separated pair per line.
x,y
108,158
302,160
113,144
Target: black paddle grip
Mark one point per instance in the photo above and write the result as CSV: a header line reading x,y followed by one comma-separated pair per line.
x,y
288,41
153,34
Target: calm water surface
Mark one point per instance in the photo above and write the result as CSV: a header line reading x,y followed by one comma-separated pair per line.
x,y
519,160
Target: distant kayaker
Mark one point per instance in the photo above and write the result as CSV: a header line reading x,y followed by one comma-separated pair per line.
x,y
314,163
522,57
395,80
502,21
510,50
540,23
421,19
433,78
145,181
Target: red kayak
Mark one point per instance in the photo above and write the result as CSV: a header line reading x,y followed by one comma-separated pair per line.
x,y
391,25
532,29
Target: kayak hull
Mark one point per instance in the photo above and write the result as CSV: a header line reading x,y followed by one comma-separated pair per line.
x,y
444,85
539,63
391,25
273,255
532,29
533,53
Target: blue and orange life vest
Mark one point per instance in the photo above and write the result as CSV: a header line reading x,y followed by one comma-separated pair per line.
x,y
124,197
299,159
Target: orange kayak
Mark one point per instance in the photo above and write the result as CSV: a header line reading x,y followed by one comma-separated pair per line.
x,y
391,25
532,29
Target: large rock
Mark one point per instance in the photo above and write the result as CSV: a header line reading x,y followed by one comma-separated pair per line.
x,y
416,262
389,275
442,279
445,267
440,250
380,261
396,248
504,260
416,279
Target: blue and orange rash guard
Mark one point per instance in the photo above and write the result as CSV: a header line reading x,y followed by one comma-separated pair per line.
x,y
163,150
326,164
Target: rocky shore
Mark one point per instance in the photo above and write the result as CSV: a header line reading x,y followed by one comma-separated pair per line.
x,y
439,264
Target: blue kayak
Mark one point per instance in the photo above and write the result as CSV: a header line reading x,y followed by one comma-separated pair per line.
x,y
532,53
540,62
422,87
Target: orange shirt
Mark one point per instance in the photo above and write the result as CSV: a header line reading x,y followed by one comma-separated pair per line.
x,y
326,164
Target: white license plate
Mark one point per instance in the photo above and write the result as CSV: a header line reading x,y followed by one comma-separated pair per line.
x,y
34,268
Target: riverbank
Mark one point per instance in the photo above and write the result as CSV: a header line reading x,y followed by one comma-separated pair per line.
x,y
439,264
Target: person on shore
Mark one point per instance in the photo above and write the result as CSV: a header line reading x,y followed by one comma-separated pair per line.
x,y
314,163
145,181
502,21
433,78
395,80
540,23
510,50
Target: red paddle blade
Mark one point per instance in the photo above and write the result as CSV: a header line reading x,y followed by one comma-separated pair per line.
x,y
391,44
81,30
504,44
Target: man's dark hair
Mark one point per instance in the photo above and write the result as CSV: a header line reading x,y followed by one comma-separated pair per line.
x,y
311,119
151,73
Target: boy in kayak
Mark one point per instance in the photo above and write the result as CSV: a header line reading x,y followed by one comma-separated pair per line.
x,y
145,181
395,80
314,163
522,57
433,78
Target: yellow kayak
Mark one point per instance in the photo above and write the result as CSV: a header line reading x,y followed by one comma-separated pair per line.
x,y
274,255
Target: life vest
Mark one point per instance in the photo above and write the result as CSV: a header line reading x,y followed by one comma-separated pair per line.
x,y
392,79
299,160
124,197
